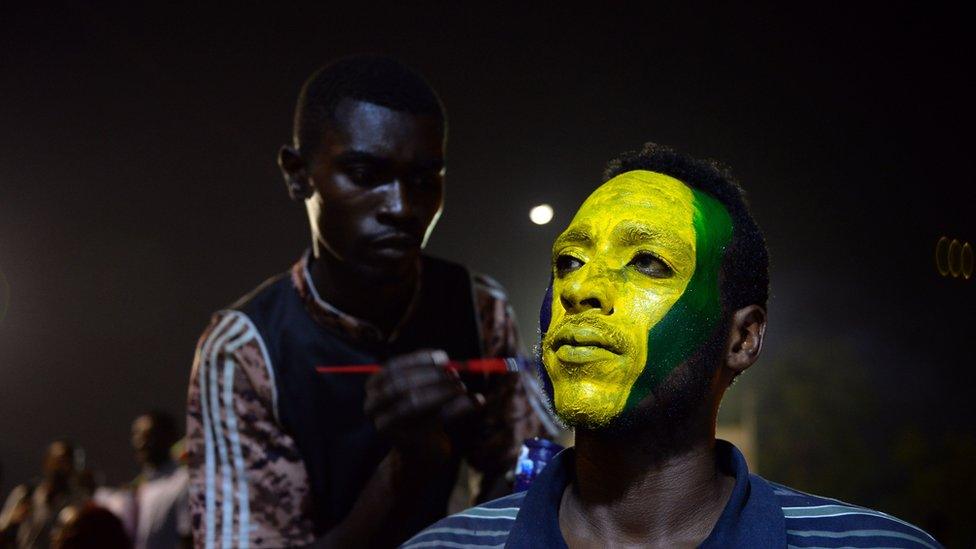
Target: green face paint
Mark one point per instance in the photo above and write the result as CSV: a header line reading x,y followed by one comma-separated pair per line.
x,y
696,313
635,292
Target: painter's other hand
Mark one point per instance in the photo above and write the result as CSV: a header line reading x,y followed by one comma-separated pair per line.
x,y
413,397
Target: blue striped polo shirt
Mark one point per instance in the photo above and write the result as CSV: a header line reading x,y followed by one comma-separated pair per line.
x,y
759,514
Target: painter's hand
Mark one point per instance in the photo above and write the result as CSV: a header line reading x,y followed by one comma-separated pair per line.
x,y
413,397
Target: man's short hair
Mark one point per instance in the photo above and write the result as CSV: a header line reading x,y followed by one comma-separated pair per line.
x,y
745,265
371,78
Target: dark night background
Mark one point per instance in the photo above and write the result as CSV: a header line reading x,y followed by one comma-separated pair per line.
x,y
139,193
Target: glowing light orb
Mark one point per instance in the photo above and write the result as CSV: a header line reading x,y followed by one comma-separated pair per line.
x,y
541,214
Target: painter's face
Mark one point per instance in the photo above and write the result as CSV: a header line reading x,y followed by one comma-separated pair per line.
x,y
619,271
378,185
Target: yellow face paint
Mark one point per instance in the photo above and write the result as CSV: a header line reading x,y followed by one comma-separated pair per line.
x,y
620,266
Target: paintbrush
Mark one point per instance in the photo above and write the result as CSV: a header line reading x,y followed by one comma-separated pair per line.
x,y
474,365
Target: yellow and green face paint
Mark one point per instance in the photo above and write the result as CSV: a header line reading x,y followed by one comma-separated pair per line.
x,y
634,293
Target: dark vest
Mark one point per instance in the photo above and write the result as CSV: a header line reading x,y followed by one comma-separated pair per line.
x,y
323,413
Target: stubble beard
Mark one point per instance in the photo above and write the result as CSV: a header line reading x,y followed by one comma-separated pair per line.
x,y
676,415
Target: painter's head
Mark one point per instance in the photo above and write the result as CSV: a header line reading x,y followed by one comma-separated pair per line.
x,y
658,295
367,159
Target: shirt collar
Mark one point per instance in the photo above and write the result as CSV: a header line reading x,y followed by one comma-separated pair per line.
x,y
751,518
328,315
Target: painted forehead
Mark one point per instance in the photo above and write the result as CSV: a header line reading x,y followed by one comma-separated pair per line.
x,y
637,206
686,220
640,188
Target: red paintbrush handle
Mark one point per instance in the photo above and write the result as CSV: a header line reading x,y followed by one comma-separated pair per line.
x,y
477,365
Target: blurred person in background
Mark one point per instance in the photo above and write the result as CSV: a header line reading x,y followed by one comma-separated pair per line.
x,y
31,510
153,508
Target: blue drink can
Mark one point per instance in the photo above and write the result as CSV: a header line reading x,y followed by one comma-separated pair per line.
x,y
535,454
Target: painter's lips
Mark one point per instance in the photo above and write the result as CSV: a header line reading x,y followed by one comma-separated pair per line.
x,y
396,241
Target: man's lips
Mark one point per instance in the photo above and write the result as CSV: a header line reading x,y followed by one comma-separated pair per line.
x,y
397,241
587,336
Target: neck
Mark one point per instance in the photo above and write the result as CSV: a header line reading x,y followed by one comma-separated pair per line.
x,y
626,494
382,302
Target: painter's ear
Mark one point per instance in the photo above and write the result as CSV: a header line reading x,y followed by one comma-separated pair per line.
x,y
746,338
293,170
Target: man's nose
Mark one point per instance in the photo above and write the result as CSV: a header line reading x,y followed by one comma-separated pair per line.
x,y
590,291
396,201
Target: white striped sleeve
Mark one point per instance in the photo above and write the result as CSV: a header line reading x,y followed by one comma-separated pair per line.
x,y
232,428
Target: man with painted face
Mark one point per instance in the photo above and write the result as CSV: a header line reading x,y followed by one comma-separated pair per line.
x,y
284,450
657,303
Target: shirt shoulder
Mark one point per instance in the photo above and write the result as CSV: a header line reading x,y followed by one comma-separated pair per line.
x,y
18,494
486,525
247,480
827,522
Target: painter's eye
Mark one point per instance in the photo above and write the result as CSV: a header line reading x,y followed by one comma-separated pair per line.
x,y
363,176
651,265
566,264
426,179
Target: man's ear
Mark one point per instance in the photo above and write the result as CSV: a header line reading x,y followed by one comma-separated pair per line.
x,y
293,170
745,338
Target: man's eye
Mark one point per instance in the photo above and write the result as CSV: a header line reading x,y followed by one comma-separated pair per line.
x,y
361,176
651,265
566,264
426,179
